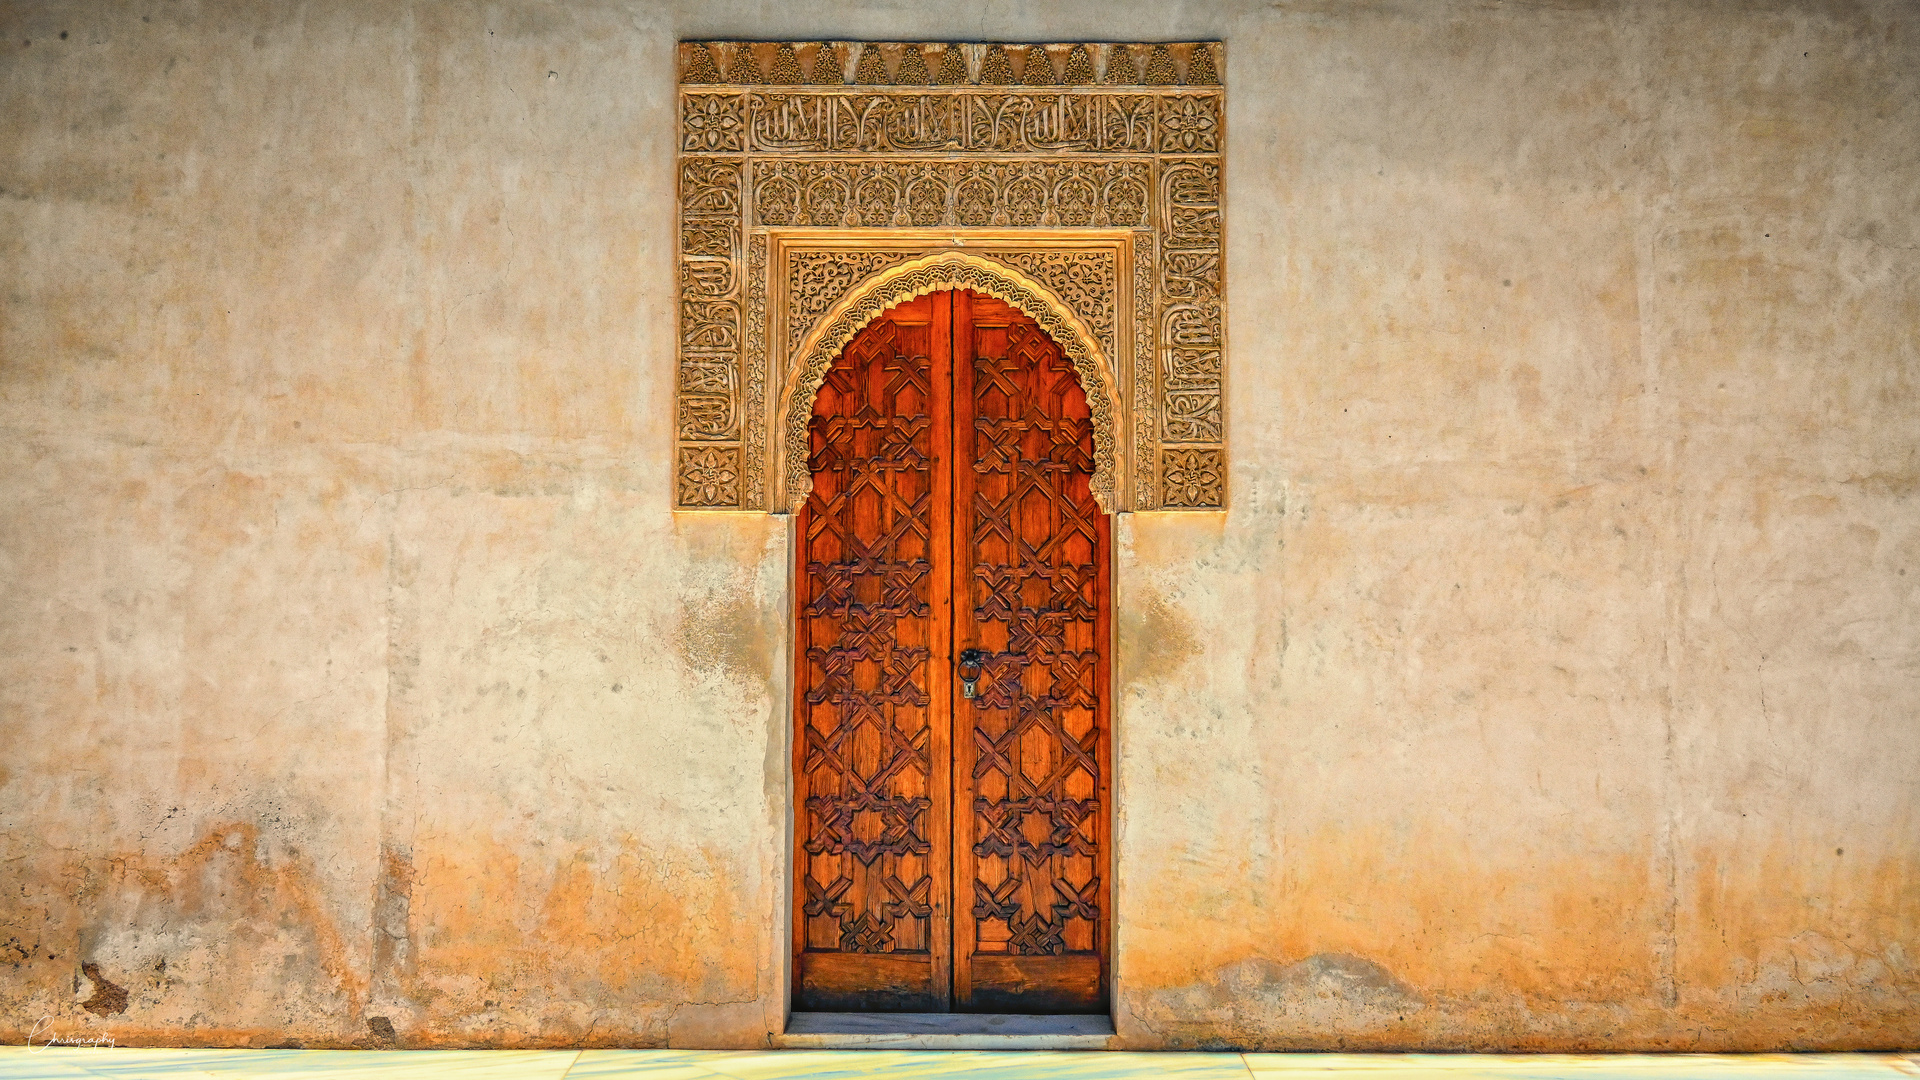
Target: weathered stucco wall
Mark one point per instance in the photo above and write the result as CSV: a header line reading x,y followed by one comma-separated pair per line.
x,y
1553,681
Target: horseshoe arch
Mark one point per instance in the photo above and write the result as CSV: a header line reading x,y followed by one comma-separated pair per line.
x,y
931,273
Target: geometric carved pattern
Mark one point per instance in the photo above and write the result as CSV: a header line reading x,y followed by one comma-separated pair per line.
x,y
709,476
1056,139
1036,542
950,846
866,761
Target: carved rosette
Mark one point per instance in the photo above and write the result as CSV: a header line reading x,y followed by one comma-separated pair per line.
x,y
980,143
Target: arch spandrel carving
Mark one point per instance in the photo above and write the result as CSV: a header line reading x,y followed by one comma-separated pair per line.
x,y
1099,184
883,289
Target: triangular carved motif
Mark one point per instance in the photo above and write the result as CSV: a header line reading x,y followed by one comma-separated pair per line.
x,y
996,70
829,69
913,68
1200,70
1160,68
700,66
1079,68
872,69
1039,69
786,68
953,67
746,67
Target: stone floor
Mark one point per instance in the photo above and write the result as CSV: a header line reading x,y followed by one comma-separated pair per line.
x,y
58,1062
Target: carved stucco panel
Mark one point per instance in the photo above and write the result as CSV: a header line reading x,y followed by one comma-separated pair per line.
x,y
1086,281
988,141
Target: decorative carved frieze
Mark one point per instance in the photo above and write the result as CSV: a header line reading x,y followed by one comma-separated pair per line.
x,y
1191,316
972,194
1091,171
944,122
910,64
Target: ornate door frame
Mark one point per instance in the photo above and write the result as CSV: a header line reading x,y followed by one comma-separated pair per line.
x,y
1081,182
808,171
935,534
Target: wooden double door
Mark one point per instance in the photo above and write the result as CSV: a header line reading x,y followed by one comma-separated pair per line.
x,y
951,731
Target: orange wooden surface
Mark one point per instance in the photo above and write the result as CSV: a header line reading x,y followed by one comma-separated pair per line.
x,y
1030,581
951,449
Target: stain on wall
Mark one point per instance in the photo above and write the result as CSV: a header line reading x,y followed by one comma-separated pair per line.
x,y
1549,683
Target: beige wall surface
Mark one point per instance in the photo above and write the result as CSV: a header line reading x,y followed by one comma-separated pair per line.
x,y
1553,680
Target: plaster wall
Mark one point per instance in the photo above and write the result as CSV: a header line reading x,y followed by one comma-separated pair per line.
x,y
1551,682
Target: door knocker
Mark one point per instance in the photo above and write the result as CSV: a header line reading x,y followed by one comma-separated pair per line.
x,y
970,661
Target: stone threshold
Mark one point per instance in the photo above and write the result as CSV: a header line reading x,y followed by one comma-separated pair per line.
x,y
944,1031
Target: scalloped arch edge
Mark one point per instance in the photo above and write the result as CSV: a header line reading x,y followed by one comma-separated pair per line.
x,y
893,285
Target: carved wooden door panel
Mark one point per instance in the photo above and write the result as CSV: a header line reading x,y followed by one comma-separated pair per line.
x,y
1030,749
873,764
951,449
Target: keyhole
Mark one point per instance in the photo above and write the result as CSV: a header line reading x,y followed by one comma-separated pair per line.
x,y
970,663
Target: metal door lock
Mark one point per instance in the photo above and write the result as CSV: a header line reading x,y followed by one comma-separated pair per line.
x,y
970,666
